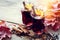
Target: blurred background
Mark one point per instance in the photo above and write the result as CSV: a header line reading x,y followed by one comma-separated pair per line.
x,y
10,10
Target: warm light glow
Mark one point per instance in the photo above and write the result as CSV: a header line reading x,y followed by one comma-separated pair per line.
x,y
47,3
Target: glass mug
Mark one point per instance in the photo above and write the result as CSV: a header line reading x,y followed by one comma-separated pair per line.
x,y
26,18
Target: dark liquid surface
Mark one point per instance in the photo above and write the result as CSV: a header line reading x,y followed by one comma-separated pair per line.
x,y
37,24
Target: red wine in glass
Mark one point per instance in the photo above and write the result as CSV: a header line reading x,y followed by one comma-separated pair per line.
x,y
26,18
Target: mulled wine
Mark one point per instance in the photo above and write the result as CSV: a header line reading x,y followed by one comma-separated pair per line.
x,y
38,25
26,18
33,18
